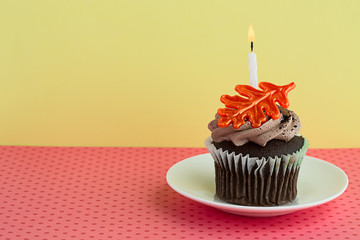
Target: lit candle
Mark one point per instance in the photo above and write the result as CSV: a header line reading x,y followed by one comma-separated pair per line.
x,y
252,59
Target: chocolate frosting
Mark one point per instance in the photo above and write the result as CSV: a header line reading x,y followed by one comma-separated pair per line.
x,y
283,128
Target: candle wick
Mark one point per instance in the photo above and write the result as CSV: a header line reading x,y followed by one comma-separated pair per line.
x,y
252,46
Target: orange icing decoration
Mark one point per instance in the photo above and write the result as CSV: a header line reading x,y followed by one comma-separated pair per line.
x,y
252,103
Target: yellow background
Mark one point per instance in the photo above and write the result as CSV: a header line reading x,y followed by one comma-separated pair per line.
x,y
150,73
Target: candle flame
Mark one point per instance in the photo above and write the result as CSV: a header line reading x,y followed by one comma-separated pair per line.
x,y
251,34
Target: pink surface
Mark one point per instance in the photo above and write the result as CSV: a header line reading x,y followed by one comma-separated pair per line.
x,y
121,193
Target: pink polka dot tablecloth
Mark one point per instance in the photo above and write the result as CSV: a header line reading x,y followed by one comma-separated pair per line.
x,y
121,193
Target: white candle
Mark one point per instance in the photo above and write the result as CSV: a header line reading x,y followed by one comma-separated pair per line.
x,y
253,70
252,60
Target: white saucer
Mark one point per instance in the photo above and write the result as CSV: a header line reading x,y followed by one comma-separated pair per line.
x,y
318,182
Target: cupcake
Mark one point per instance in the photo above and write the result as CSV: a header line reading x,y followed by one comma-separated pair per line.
x,y
256,146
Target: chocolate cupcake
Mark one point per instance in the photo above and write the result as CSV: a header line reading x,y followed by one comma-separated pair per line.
x,y
256,147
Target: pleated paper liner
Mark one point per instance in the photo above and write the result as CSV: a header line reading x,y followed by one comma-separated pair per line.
x,y
256,181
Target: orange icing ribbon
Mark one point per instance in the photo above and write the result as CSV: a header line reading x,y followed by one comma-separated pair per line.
x,y
252,103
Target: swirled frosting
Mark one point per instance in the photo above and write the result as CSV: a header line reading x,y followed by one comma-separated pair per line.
x,y
283,128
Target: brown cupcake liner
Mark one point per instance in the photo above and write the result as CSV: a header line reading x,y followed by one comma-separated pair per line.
x,y
256,181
